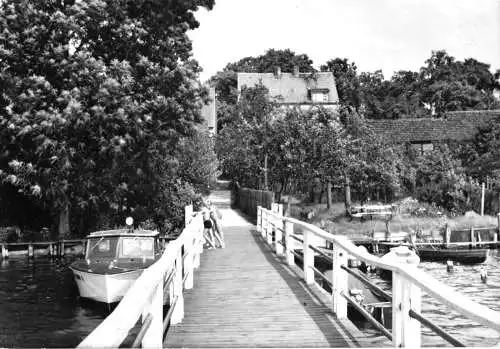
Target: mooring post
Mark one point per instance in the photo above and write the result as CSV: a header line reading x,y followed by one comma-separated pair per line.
x,y
30,251
289,243
62,249
339,282
5,251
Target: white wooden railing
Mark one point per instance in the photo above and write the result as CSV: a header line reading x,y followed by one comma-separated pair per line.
x,y
407,285
172,273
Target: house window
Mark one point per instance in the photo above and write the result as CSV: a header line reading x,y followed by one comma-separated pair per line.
x,y
319,95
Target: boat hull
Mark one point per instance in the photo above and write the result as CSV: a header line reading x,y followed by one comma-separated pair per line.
x,y
465,256
106,288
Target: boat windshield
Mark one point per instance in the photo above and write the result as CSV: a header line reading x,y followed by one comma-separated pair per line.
x,y
136,247
102,247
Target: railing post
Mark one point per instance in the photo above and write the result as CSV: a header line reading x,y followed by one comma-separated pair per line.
x,y
259,218
405,296
278,236
188,264
339,282
270,227
188,214
198,247
308,258
178,312
289,243
153,338
263,230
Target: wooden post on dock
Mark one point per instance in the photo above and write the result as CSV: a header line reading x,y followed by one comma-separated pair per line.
x,y
188,214
62,249
339,282
188,264
259,218
5,251
308,257
289,243
406,296
263,223
278,235
498,222
472,237
178,312
447,234
269,227
51,249
30,251
482,199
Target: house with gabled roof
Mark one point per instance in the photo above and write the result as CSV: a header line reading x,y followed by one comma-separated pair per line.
x,y
422,133
303,90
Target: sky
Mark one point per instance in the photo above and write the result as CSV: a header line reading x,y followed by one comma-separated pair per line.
x,y
390,35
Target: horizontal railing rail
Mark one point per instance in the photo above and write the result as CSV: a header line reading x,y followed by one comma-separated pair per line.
x,y
144,301
408,282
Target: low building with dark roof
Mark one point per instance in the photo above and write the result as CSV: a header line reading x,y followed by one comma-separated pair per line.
x,y
459,126
304,90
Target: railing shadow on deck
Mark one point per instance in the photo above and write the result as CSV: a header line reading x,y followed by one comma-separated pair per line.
x,y
305,292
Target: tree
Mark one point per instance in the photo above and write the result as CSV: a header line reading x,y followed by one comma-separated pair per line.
x,y
449,85
347,81
95,98
248,136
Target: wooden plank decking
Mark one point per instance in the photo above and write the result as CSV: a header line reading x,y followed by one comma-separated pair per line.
x,y
245,296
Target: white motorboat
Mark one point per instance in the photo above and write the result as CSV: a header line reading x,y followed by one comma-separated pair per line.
x,y
114,259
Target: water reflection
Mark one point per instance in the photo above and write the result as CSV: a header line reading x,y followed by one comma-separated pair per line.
x,y
40,306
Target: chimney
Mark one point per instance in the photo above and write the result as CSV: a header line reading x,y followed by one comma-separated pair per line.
x,y
277,72
296,70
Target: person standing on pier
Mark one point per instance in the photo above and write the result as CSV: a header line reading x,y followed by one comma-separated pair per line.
x,y
215,215
208,226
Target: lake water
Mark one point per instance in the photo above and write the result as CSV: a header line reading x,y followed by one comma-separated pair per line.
x,y
465,279
40,307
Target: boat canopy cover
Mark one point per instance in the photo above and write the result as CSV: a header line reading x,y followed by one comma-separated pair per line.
x,y
124,232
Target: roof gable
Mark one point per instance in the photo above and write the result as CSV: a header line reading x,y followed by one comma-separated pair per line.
x,y
292,88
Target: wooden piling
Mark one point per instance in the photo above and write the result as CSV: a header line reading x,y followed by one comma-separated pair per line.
x,y
5,251
30,251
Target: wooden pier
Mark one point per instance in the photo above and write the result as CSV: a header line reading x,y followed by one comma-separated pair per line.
x,y
246,296
251,294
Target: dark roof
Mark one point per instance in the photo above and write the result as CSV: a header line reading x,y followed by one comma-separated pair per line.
x,y
459,126
292,88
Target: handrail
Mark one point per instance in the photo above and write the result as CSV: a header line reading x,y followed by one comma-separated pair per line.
x,y
146,294
408,281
